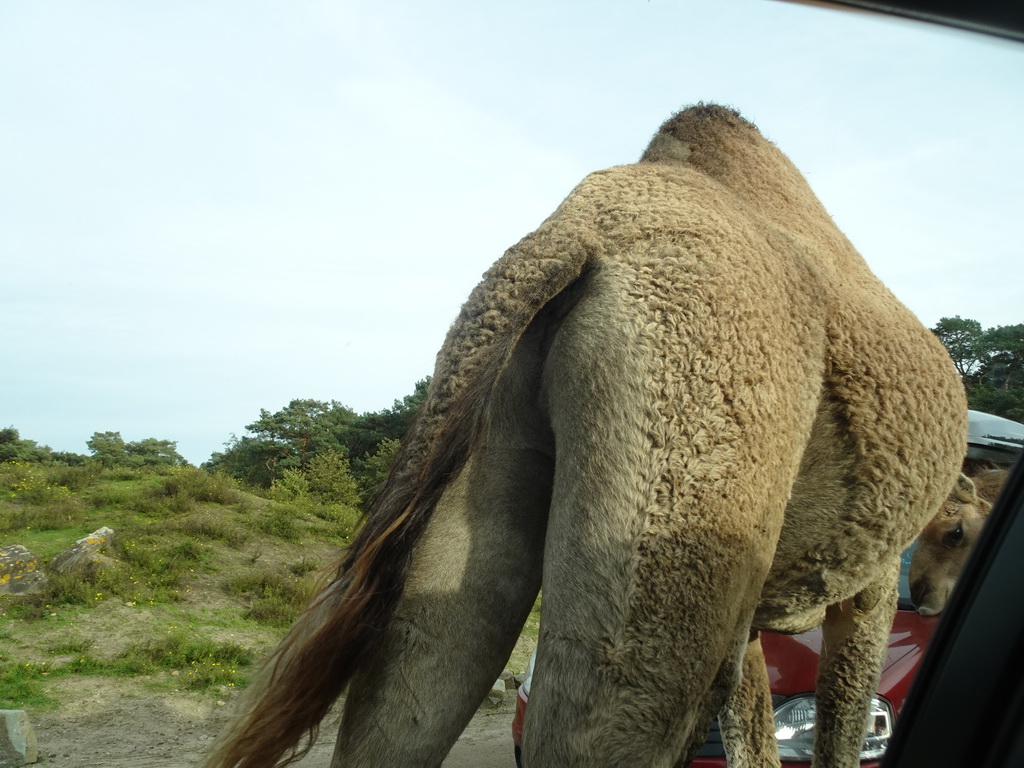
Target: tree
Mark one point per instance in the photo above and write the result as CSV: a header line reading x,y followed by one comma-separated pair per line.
x,y
154,453
965,341
254,461
990,362
110,450
303,429
370,471
330,480
1004,368
14,448
369,429
293,437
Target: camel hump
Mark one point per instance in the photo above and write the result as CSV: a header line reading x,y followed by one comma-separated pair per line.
x,y
718,142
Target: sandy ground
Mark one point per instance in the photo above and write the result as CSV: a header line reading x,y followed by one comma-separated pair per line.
x,y
109,725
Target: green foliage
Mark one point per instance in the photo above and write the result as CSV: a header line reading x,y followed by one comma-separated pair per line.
x,y
172,528
201,663
367,431
53,515
203,525
13,448
280,520
1004,368
21,686
293,438
965,342
110,450
293,486
1008,403
75,477
276,599
200,486
304,566
330,480
372,470
30,483
990,363
285,439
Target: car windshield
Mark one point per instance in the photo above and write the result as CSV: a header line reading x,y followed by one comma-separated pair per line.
x,y
904,600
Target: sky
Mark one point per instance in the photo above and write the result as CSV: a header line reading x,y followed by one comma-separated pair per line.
x,y
209,207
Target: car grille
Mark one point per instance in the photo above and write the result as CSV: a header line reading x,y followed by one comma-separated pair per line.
x,y
713,746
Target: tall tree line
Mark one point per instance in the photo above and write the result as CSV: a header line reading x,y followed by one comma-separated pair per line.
x,y
306,434
990,362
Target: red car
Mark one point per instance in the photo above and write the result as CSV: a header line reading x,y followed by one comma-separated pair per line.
x,y
792,662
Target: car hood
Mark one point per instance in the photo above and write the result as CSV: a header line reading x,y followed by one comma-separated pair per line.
x,y
792,660
987,433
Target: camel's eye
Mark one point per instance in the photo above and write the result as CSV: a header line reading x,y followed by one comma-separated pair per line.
x,y
954,537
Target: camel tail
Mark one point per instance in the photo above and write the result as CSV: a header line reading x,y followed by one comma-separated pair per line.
x,y
334,637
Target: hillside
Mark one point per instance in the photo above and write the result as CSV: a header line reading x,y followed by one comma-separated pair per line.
x,y
141,661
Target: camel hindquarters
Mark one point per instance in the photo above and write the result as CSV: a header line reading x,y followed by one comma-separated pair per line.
x,y
472,581
667,502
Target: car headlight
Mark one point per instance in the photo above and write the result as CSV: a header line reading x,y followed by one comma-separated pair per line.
x,y
794,728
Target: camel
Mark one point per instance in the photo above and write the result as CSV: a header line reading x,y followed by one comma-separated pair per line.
x,y
948,539
687,410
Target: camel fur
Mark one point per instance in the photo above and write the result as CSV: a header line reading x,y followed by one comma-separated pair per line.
x,y
684,407
946,542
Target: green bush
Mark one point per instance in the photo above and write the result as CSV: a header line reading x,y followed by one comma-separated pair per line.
x,y
293,486
57,514
204,663
276,599
31,484
304,566
198,485
207,526
331,481
344,520
76,478
21,686
280,521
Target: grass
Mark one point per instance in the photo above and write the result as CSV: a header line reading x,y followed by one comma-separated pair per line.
x,y
205,576
172,532
198,664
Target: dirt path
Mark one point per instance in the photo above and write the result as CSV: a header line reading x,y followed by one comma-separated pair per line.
x,y
113,724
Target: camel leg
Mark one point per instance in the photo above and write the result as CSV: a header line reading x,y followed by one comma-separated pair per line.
x,y
718,696
748,727
472,581
855,638
664,516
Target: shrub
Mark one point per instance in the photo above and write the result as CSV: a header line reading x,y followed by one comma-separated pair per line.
x,y
76,478
21,685
279,521
205,663
70,646
331,481
276,599
293,486
55,515
30,483
208,526
345,520
304,566
201,486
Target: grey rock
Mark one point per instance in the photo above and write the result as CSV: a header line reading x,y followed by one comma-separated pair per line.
x,y
20,572
84,558
17,739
